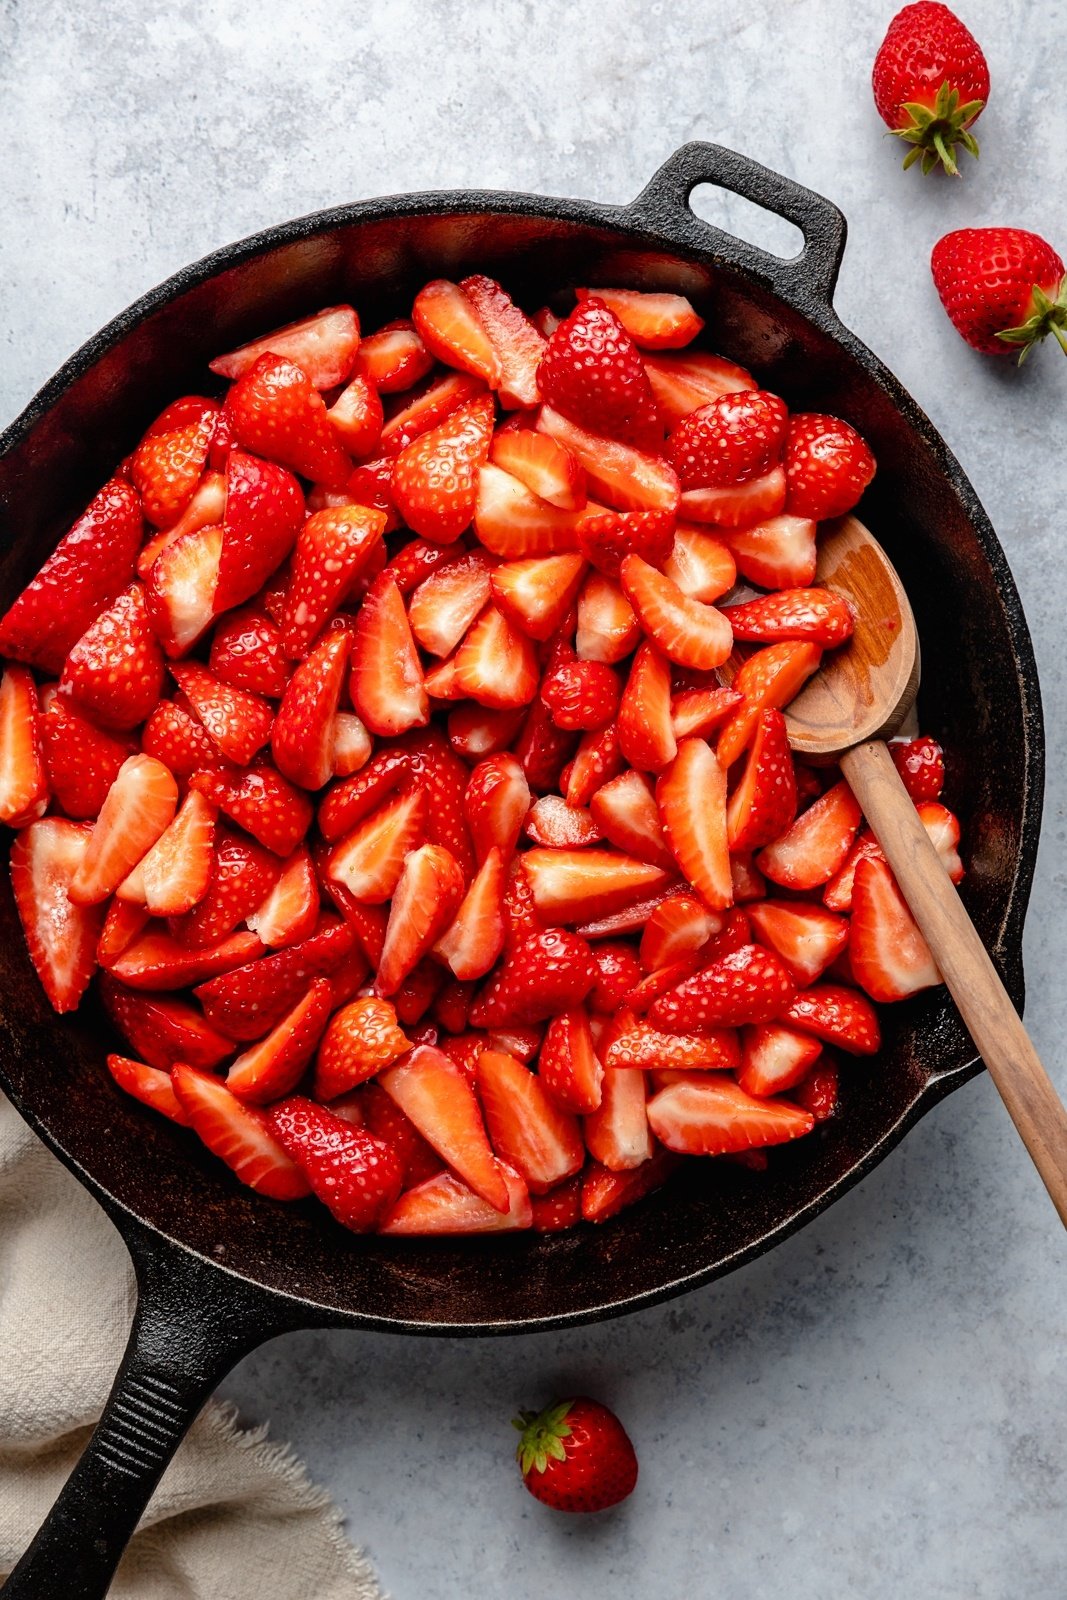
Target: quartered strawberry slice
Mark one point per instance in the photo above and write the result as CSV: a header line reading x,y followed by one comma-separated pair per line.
x,y
716,1116
431,1090
168,462
23,775
61,936
395,357
617,1132
605,1194
445,604
513,522
545,467
646,736
542,975
445,1205
732,440
559,1209
246,652
242,874
527,1129
888,955
807,937
768,680
348,803
139,806
473,941
357,416
435,480
158,961
360,1040
516,342
247,1001
264,513
427,896
302,735
553,823
606,538
682,383
607,628
543,749
323,346
678,928
332,548
653,321
261,802
114,672
691,795
597,760
591,373
90,566
177,869
124,922
536,594
240,1135
777,552
496,664
687,631
350,745
815,614
276,412
149,1085
736,505
628,479
418,413
625,811
368,862
415,561
356,1175
764,802
813,849
701,711
81,760
452,330
575,885
206,509
581,695
701,565
162,1029
775,1058
289,911
180,588
275,1064
838,1015
747,985
635,1042
569,1067
238,721
387,684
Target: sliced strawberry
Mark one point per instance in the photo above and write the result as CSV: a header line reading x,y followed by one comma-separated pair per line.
x,y
630,920
302,735
818,1091
157,961
559,1209
496,664
775,1058
431,1090
558,826
511,521
581,695
813,849
61,936
548,470
575,885
944,830
701,711
414,997
681,384
813,614
606,537
516,342
569,1067
678,928
625,811
180,741
415,561
543,749
736,505
701,565
807,937
445,604
837,895
262,803
206,509
617,1132
474,939
888,955
114,673
607,627
357,417
164,1030
691,795
368,861
546,973
592,374
395,357
427,897
350,744
653,321
764,802
348,803
841,1016
827,465
149,1085
732,440
85,572
748,883
124,922
246,1001
332,547
777,552
921,764
496,803
168,462
715,1116
626,478
644,723
693,634
435,480
520,913
23,774
527,1129
356,1175
418,413
324,346
81,760
618,970
246,653
238,721
360,1040
181,586
767,681
443,777
387,683
240,1135
636,1043
537,594
177,869
273,1066
276,412
597,760
242,875
264,513
747,985
444,1205
139,806
290,910
605,1194
452,330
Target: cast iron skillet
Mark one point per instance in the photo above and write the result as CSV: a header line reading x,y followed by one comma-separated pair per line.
x,y
220,1269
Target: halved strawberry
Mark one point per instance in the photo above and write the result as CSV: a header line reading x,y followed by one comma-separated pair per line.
x,y
775,1058
23,775
247,1001
511,521
114,672
357,416
418,413
607,627
61,936
527,1129
646,736
324,346
767,681
387,682
177,869
444,1205
167,464
681,384
435,480
332,547
841,1016
139,806
240,1135
537,594
290,910
691,795
814,614
764,802
569,1067
356,1175
246,652
574,885
81,760
431,1090
737,505
545,467
516,342
715,1116
368,861
606,537
452,330
827,464
276,412
542,975
837,895
360,1040
688,632
85,572
264,513
777,552
678,928
617,1132
605,1194
626,478
446,603
701,565
474,939
274,1066
813,849
731,441
157,961
558,826
496,664
302,735
238,721
394,357
261,802
636,1043
653,321
746,985
162,1029
149,1085
496,801
427,897
888,955
348,803
625,811
592,374
807,937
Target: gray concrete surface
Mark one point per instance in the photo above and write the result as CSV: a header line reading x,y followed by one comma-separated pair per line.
x,y
877,1409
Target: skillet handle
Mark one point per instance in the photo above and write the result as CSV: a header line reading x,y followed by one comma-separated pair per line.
x,y
192,1324
663,204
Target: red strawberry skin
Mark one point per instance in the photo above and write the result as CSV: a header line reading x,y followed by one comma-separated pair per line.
x,y
264,512
592,373
276,412
576,1456
734,438
356,1175
926,58
1003,288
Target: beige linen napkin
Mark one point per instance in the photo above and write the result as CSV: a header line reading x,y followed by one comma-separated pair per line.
x,y
233,1518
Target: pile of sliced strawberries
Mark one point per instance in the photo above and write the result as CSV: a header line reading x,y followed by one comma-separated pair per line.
x,y
378,735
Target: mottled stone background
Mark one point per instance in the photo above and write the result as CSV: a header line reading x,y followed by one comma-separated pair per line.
x,y
876,1409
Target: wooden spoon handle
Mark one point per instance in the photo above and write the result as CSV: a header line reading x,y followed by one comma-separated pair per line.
x,y
972,979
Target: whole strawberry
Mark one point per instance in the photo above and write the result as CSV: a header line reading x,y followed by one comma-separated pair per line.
x,y
1003,288
576,1456
931,82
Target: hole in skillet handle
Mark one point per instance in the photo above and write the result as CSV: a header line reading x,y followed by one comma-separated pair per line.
x,y
807,279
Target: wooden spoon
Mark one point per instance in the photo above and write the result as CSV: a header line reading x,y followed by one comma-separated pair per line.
x,y
845,712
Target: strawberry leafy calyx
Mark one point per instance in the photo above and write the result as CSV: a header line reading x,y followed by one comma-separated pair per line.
x,y
934,131
1048,316
543,1433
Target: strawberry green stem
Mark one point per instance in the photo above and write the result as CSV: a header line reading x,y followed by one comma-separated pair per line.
x,y
934,131
542,1436
1047,316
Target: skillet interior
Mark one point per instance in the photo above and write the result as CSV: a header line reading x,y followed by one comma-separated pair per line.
x,y
978,680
